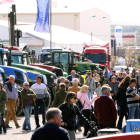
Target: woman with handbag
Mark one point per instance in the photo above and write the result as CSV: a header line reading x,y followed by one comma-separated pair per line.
x,y
69,111
86,110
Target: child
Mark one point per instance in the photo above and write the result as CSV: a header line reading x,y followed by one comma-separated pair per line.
x,y
98,90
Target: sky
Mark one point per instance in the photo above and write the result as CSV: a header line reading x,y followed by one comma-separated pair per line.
x,y
121,11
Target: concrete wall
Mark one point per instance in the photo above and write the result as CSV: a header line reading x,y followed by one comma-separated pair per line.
x,y
67,20
99,26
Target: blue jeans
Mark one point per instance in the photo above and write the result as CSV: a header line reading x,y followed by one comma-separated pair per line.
x,y
42,105
133,112
27,111
90,93
2,124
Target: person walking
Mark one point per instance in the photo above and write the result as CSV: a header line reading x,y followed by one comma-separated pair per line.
x,y
41,92
92,86
137,76
98,90
62,79
75,88
105,72
72,76
105,109
96,77
132,100
113,74
12,94
69,111
114,86
83,97
120,77
27,100
60,95
51,130
121,100
3,100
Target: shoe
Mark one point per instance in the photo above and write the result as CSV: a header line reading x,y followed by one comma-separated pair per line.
x,y
17,126
37,127
28,130
7,126
5,133
24,129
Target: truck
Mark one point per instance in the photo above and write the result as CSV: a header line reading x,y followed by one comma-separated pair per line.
x,y
98,53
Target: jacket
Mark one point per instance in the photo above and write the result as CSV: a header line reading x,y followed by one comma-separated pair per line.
x,y
114,87
25,96
59,97
121,97
83,97
50,131
90,84
105,110
68,115
3,100
74,89
70,77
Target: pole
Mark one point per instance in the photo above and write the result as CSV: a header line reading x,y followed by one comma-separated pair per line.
x,y
51,30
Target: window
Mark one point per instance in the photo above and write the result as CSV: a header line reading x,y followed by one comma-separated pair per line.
x,y
17,59
56,57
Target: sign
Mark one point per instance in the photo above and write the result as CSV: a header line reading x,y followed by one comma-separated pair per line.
x,y
118,30
42,21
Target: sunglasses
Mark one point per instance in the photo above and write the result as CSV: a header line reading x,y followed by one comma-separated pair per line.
x,y
26,85
75,98
66,82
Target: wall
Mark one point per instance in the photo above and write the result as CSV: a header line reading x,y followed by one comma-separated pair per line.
x,y
99,26
67,20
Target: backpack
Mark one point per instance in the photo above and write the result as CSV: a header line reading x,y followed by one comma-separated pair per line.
x,y
79,104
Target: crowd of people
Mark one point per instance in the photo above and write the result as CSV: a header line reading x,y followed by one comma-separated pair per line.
x,y
118,96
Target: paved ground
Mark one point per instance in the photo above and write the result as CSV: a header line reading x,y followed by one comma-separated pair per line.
x,y
18,134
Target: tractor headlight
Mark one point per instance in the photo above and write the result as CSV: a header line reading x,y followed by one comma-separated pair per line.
x,y
1,79
45,79
25,77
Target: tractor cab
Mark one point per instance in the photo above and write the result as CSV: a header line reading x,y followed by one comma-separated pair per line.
x,y
20,57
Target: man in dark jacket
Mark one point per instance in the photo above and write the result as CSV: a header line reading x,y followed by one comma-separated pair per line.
x,y
51,129
27,99
60,95
81,79
105,109
72,76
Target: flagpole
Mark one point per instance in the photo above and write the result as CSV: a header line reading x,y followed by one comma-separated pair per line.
x,y
51,30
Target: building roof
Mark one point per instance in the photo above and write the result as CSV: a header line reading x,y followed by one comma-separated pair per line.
x,y
60,35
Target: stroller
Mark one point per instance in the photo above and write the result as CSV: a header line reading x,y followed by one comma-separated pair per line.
x,y
93,127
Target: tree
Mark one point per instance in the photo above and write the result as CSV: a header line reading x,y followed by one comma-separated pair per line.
x,y
138,58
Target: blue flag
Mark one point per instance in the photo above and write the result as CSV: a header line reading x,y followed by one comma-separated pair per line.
x,y
42,20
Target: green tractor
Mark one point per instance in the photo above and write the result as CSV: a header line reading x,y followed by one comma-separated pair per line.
x,y
69,60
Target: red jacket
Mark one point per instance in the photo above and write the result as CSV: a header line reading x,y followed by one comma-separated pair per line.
x,y
105,110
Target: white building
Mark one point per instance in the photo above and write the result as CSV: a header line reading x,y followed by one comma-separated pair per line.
x,y
60,37
89,21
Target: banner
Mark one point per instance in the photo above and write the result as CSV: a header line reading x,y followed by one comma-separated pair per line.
x,y
42,20
6,1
